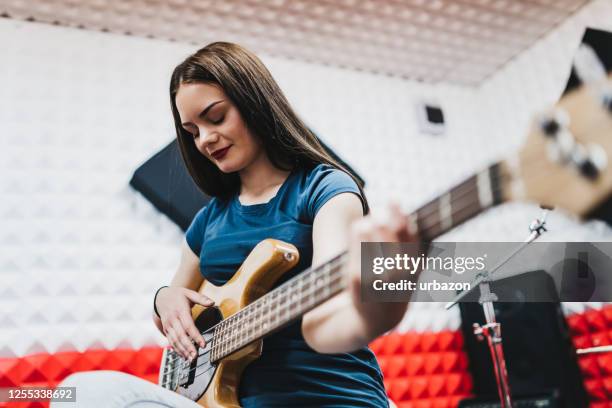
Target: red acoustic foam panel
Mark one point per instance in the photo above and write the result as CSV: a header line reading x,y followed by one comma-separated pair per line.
x,y
607,313
592,329
436,366
596,320
47,370
578,325
420,369
415,364
411,343
604,363
424,369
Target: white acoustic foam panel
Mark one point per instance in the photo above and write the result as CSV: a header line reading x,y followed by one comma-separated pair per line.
x,y
454,41
81,254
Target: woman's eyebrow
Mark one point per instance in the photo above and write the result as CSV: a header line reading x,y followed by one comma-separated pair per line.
x,y
204,112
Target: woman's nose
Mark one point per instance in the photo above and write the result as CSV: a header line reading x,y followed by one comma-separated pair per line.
x,y
207,137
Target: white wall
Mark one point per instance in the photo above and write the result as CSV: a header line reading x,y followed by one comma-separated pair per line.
x,y
81,253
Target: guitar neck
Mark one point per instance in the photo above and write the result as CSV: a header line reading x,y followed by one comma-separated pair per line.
x,y
309,289
279,307
457,205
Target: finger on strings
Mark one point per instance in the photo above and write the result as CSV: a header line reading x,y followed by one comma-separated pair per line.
x,y
182,339
173,339
191,329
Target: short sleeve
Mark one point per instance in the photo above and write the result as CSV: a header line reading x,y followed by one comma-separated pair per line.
x,y
326,182
195,233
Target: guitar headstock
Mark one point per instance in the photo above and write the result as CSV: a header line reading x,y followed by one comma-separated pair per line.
x,y
566,160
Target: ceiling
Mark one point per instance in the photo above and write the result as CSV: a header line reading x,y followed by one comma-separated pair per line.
x,y
450,41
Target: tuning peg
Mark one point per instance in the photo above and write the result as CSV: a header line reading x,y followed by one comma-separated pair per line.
x,y
551,124
550,127
597,161
563,148
588,169
591,161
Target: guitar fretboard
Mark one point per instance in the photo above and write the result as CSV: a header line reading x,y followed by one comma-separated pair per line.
x,y
459,204
278,307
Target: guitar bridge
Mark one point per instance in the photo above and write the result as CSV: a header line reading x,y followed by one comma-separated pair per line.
x,y
169,373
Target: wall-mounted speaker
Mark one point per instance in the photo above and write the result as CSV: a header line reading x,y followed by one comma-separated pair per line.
x,y
430,117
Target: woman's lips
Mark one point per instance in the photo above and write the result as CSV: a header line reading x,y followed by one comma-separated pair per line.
x,y
220,154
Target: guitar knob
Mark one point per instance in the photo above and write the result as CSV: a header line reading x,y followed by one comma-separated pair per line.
x,y
552,123
550,127
591,161
598,157
563,148
588,170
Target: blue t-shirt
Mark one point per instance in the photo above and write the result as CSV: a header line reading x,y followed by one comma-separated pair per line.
x,y
289,372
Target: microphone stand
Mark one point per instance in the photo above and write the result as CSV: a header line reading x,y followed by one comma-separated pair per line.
x,y
491,331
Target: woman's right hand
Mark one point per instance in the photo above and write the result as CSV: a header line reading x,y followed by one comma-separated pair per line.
x,y
174,306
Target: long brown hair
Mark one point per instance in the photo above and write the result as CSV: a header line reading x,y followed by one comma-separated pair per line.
x,y
263,108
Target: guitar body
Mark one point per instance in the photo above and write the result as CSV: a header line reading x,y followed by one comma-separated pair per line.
x,y
216,384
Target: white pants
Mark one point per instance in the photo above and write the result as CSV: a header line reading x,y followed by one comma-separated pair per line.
x,y
114,389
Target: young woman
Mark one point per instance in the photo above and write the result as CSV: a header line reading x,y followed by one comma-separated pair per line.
x,y
270,178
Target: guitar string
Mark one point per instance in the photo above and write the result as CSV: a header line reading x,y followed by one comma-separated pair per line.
x,y
495,190
530,164
428,227
439,221
426,211
302,277
423,217
433,211
251,306
498,176
255,323
230,339
496,187
337,279
334,280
